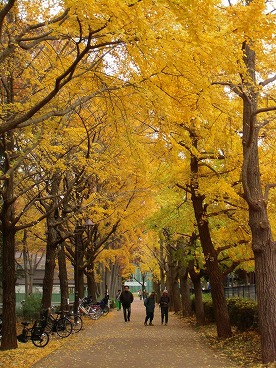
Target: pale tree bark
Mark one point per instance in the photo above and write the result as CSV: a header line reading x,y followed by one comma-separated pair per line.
x,y
263,244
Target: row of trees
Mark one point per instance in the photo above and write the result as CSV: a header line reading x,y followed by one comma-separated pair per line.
x,y
121,112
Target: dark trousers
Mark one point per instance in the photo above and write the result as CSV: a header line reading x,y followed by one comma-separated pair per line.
x,y
164,314
149,317
127,312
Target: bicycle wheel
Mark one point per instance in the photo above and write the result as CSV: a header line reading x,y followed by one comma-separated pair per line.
x,y
77,323
64,327
94,313
41,341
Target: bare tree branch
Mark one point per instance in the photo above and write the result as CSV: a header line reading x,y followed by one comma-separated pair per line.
x,y
267,81
267,188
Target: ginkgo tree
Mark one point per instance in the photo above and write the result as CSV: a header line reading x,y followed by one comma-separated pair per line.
x,y
43,52
240,36
184,66
255,37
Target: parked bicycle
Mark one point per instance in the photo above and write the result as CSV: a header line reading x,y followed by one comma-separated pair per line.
x,y
56,322
76,321
93,310
104,307
36,333
86,309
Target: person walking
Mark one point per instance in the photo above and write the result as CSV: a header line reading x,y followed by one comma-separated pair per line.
x,y
126,299
164,302
118,301
149,303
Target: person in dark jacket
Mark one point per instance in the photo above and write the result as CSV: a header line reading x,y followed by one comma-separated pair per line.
x,y
164,302
126,298
149,303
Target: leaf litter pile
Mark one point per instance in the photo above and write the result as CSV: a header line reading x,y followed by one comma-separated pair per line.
x,y
243,348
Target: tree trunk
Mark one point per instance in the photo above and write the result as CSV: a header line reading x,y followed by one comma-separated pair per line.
x,y
173,281
115,285
214,272
107,279
162,267
212,264
53,239
25,264
91,284
262,242
9,339
185,294
81,282
50,264
101,284
63,279
199,308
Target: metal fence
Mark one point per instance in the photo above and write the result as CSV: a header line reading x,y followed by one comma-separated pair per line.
x,y
241,291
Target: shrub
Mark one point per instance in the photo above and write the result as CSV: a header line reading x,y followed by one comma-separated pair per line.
x,y
243,313
209,310
207,305
31,306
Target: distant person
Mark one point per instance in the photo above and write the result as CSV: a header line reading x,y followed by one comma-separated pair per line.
x,y
149,303
140,294
126,299
164,302
145,294
118,301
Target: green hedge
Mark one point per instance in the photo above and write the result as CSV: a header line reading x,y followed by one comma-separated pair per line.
x,y
242,313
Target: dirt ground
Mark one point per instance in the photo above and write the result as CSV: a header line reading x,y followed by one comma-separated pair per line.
x,y
112,342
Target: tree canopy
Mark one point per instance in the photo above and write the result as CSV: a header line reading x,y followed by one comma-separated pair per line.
x,y
156,121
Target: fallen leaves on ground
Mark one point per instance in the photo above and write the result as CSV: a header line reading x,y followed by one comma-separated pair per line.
x,y
27,354
243,348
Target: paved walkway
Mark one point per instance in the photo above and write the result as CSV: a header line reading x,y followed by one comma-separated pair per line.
x,y
112,343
